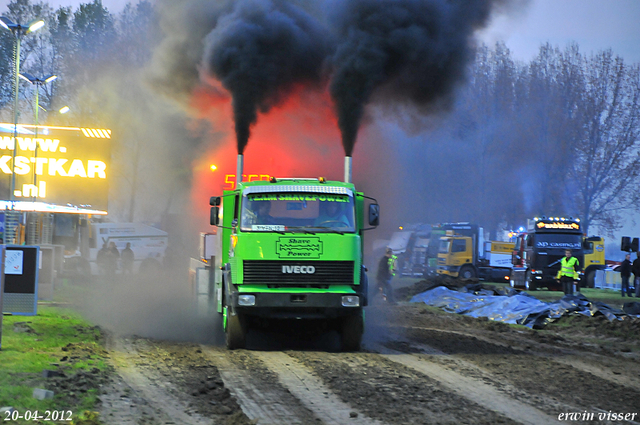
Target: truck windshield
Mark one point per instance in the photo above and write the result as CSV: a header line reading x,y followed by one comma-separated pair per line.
x,y
444,247
558,241
297,212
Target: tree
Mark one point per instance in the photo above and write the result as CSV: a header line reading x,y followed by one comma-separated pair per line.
x,y
605,175
35,53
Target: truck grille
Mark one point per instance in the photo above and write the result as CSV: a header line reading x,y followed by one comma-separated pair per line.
x,y
266,272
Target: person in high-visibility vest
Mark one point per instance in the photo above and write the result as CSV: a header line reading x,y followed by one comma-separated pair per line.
x,y
568,273
386,271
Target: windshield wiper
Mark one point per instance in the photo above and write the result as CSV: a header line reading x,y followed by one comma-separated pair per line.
x,y
303,228
330,229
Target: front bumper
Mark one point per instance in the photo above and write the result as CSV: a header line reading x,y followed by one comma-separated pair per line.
x,y
297,305
449,270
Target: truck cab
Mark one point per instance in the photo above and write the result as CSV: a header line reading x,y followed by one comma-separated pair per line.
x,y
538,252
593,249
468,257
292,249
456,257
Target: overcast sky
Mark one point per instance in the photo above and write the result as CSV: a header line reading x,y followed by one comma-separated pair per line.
x,y
594,24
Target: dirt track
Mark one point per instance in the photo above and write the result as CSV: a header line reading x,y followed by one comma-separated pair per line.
x,y
417,366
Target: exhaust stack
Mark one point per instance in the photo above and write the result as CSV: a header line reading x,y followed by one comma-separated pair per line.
x,y
347,169
239,169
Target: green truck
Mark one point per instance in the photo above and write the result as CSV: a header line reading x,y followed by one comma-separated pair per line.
x,y
291,249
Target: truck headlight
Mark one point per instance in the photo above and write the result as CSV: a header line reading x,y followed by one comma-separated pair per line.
x,y
351,301
246,300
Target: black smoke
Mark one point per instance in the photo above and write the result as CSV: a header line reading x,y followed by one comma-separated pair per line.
x,y
371,51
410,50
259,52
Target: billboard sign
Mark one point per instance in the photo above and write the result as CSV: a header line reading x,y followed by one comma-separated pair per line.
x,y
56,165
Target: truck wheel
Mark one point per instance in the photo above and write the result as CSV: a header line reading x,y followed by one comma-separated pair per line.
x,y
467,272
236,335
529,284
351,332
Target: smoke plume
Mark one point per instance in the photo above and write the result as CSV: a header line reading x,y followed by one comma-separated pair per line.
x,y
369,51
259,52
409,50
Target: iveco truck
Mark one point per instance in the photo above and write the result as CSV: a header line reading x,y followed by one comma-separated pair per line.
x,y
291,248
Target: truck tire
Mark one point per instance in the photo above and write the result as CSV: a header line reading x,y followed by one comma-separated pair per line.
x,y
467,272
529,284
352,328
236,335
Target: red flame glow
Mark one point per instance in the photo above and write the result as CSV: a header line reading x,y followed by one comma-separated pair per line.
x,y
299,138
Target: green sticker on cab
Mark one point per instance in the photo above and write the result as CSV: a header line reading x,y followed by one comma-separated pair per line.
x,y
299,247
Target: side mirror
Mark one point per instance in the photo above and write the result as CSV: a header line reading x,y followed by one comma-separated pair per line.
x,y
214,201
634,244
374,215
214,218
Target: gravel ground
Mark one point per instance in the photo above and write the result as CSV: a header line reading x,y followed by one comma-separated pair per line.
x,y
418,365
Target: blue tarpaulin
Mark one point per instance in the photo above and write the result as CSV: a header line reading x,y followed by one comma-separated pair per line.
x,y
515,308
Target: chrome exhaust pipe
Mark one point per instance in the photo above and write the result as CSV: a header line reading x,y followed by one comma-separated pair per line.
x,y
347,169
239,169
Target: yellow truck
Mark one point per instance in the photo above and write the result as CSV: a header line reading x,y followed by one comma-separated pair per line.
x,y
593,249
464,253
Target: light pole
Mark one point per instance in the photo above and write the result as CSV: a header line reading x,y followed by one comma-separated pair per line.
x,y
18,31
37,82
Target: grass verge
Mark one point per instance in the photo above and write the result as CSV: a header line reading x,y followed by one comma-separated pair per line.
x,y
60,341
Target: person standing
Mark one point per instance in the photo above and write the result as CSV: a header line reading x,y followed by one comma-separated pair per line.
x,y
127,258
568,273
635,269
113,256
625,274
386,271
101,259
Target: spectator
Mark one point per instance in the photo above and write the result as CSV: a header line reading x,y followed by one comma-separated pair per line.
x,y
101,259
635,269
128,258
113,256
625,273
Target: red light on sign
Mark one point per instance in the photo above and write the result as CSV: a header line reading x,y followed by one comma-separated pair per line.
x,y
230,179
